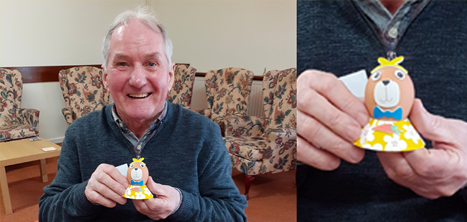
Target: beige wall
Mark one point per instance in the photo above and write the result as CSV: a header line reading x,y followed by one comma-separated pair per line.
x,y
253,34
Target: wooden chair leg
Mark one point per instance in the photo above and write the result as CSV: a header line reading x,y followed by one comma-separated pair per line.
x,y
248,179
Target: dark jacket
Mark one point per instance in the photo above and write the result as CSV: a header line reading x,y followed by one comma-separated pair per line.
x,y
187,152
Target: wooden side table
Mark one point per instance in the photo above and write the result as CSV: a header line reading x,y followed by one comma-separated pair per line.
x,y
21,151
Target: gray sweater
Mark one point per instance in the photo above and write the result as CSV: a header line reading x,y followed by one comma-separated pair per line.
x,y
335,37
187,152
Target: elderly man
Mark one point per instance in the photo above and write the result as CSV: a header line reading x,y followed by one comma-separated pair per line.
x,y
189,168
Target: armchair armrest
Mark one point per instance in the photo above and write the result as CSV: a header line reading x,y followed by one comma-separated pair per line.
x,y
69,115
205,112
28,117
240,126
281,152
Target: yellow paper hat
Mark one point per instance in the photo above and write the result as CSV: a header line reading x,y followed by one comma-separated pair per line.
x,y
138,160
394,63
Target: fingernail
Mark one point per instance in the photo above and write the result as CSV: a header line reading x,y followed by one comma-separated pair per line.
x,y
353,132
362,119
356,155
123,201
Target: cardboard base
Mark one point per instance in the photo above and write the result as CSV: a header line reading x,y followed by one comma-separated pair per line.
x,y
138,193
390,136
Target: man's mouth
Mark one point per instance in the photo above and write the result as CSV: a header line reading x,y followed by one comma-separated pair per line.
x,y
139,96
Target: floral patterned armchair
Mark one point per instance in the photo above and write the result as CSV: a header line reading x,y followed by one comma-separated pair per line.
x,y
227,92
182,89
83,91
15,122
259,145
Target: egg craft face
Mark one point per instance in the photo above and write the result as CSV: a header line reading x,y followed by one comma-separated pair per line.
x,y
389,92
137,175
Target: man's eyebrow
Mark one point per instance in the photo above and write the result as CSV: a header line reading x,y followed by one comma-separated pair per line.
x,y
152,55
121,56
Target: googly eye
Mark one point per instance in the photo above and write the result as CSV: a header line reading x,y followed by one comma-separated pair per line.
x,y
375,76
399,74
142,165
131,165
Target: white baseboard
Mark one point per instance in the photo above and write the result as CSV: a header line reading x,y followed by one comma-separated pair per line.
x,y
56,140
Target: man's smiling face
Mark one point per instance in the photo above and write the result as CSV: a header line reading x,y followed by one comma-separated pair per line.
x,y
138,74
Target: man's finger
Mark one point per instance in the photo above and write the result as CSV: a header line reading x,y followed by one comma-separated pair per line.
x,y
107,192
321,137
118,181
314,105
430,126
154,187
396,167
334,90
140,205
315,157
432,163
101,200
104,182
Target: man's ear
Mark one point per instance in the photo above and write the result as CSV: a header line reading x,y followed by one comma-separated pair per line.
x,y
104,77
171,77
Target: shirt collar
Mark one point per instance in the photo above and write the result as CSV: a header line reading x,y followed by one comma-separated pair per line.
x,y
390,28
122,124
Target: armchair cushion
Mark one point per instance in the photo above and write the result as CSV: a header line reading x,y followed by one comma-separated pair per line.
x,y
11,86
15,122
246,166
247,148
182,89
227,91
83,91
280,98
244,126
283,144
256,155
18,131
28,117
204,112
68,114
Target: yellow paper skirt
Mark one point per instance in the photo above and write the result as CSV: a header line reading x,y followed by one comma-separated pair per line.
x,y
137,192
389,136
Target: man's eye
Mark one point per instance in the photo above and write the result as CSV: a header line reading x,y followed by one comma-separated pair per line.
x,y
121,64
151,64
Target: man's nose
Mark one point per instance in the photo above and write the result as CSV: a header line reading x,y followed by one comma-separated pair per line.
x,y
138,77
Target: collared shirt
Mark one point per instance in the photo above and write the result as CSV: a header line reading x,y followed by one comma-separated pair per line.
x,y
390,28
138,144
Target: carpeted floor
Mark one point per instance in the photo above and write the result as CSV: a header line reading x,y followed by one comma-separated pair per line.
x,y
272,197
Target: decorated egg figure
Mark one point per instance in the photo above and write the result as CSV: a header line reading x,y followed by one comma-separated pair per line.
x,y
137,176
389,92
389,97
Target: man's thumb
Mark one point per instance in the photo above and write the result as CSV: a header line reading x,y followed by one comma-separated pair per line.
x,y
153,186
430,126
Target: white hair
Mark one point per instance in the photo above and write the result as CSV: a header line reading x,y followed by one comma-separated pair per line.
x,y
148,17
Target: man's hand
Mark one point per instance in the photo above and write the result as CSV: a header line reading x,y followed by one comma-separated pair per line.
x,y
167,201
436,172
106,186
330,118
